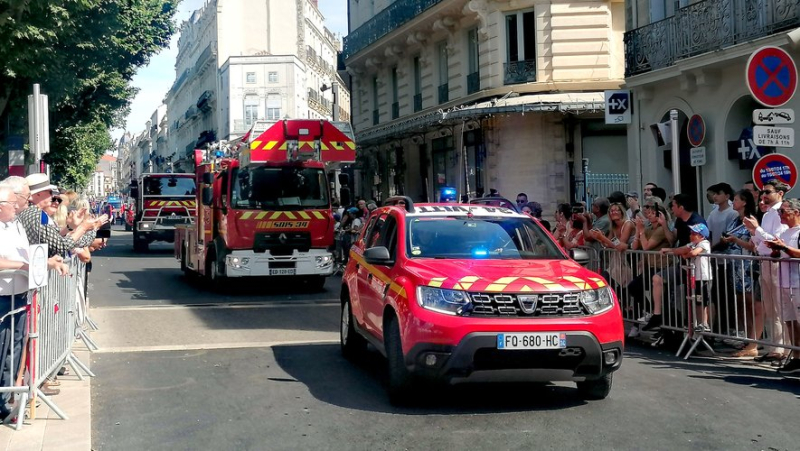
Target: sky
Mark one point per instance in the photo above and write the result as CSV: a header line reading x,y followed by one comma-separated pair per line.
x,y
155,79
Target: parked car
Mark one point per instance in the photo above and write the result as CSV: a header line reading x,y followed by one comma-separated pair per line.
x,y
459,293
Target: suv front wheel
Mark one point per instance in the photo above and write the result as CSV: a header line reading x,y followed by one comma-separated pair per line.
x,y
400,379
352,344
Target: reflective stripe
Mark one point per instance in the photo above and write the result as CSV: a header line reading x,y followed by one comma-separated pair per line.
x,y
246,214
261,215
318,215
437,282
303,215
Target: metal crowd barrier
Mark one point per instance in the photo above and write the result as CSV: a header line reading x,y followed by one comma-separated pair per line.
x,y
19,390
743,306
56,316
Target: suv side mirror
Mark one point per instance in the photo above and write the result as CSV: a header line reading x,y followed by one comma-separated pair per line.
x,y
378,255
208,195
580,256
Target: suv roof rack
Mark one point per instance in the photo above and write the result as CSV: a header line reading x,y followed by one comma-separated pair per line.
x,y
395,201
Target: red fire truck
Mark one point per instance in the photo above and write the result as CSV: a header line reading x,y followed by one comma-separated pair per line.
x,y
163,201
267,212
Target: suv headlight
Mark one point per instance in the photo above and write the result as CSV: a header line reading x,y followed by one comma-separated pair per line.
x,y
449,302
597,301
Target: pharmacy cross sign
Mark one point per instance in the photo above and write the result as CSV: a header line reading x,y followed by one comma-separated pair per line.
x,y
771,76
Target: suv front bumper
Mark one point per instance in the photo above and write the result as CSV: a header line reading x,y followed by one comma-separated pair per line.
x,y
477,359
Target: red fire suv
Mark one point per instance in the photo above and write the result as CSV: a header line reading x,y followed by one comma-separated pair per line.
x,y
459,293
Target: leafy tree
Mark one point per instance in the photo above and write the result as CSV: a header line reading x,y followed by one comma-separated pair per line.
x,y
84,53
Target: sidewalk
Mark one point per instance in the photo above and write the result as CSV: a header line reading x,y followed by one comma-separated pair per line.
x,y
48,431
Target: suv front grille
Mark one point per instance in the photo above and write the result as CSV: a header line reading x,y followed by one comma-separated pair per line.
x,y
536,305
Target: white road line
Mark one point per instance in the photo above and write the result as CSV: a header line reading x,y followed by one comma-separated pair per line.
x,y
210,346
238,305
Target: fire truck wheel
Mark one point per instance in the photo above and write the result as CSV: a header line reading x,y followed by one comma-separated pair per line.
x,y
316,283
216,282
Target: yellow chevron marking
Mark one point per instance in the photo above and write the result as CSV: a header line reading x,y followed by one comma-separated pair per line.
x,y
255,144
290,215
600,284
526,289
275,215
247,214
469,279
351,145
457,286
496,287
323,146
539,280
336,145
270,145
573,279
465,285
262,215
283,146
437,282
303,215
505,280
318,215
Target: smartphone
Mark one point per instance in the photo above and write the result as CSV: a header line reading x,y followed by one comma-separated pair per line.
x,y
577,209
103,233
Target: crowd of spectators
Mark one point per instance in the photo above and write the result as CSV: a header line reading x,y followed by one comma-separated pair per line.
x,y
34,211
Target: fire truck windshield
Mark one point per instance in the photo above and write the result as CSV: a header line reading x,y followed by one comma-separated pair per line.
x,y
280,188
169,186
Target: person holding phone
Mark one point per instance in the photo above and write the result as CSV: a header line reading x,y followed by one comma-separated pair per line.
x,y
569,228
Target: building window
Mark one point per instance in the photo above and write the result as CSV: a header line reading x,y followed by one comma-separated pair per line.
x,y
417,85
272,77
444,88
521,45
473,62
250,110
273,107
395,103
251,77
375,112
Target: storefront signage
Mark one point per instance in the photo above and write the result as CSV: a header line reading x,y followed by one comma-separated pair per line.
x,y
771,76
773,136
745,150
773,116
775,166
618,107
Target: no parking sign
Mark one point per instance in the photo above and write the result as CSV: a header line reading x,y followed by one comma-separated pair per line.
x,y
775,166
771,76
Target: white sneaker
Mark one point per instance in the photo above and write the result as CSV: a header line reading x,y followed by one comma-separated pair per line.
x,y
645,318
634,332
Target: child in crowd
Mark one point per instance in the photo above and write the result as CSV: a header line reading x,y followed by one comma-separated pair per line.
x,y
696,249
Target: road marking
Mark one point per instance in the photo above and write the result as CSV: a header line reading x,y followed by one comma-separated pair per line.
x,y
237,305
210,346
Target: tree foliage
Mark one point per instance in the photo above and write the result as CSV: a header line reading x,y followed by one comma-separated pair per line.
x,y
84,54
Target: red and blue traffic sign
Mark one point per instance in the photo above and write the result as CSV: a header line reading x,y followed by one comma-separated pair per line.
x,y
771,76
775,166
696,130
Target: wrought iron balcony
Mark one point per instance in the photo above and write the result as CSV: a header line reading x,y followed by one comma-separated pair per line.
x,y
389,19
395,110
417,102
376,117
704,27
473,82
519,72
444,93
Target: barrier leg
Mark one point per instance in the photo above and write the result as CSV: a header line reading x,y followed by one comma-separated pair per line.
x,y
75,361
700,340
90,344
22,401
91,323
51,404
686,339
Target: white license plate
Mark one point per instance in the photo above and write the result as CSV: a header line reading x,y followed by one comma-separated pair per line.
x,y
532,340
283,272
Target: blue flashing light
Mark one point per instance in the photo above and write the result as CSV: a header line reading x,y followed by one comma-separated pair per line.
x,y
477,253
447,194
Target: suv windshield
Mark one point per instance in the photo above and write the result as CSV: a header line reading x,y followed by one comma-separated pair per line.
x,y
282,188
169,186
479,238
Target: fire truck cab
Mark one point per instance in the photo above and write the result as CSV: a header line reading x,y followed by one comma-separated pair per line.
x,y
267,211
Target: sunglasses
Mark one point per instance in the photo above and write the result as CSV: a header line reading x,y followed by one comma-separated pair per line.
x,y
56,200
767,192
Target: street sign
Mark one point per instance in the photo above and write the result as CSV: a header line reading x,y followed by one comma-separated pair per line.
x,y
773,117
771,76
618,107
773,136
697,156
696,130
775,166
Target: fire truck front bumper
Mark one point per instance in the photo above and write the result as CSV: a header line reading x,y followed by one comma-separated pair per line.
x,y
316,262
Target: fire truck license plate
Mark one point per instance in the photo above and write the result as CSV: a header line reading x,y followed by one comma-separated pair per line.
x,y
532,340
282,272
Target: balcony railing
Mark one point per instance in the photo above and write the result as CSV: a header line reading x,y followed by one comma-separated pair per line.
x,y
704,27
386,21
444,93
417,102
376,117
519,72
473,82
395,110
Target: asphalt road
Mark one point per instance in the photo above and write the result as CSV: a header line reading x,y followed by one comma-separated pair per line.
x,y
183,368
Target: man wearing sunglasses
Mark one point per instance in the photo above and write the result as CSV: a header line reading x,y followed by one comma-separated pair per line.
x,y
770,228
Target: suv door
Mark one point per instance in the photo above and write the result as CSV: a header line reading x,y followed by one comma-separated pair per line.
x,y
358,284
383,233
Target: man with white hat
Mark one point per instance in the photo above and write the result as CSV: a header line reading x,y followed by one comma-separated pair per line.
x,y
37,223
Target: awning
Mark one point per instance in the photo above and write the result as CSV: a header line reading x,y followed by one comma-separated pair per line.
x,y
579,102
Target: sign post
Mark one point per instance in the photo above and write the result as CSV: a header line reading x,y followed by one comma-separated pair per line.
x,y
676,153
775,166
38,127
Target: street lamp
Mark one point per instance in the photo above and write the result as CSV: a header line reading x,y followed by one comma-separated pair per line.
x,y
334,87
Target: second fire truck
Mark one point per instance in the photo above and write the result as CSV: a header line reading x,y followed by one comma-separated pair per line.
x,y
268,211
